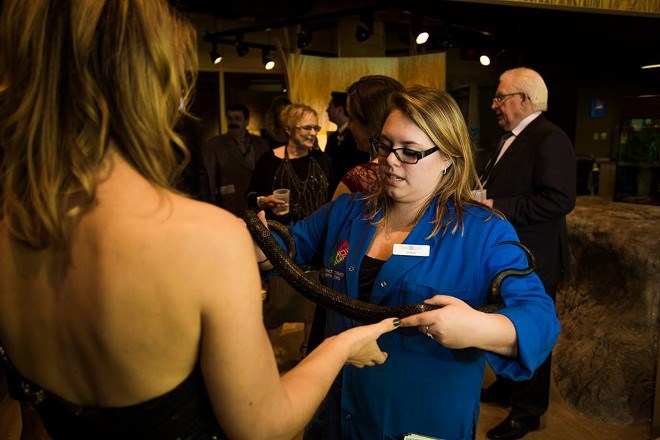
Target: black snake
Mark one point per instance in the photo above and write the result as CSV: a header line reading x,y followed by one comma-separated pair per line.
x,y
343,304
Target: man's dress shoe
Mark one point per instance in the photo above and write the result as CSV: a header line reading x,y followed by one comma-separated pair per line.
x,y
514,428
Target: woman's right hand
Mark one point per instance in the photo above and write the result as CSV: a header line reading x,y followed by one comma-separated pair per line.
x,y
363,349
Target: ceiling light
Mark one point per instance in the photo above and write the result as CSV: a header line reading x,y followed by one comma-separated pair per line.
x,y
651,66
365,28
422,37
241,48
421,34
484,56
267,60
304,39
216,57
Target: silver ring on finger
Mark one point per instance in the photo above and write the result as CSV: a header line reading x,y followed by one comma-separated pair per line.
x,y
427,332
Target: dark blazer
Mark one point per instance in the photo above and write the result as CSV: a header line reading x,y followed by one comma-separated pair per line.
x,y
533,185
344,155
229,172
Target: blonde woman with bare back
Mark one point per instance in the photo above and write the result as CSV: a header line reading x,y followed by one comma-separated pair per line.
x,y
128,310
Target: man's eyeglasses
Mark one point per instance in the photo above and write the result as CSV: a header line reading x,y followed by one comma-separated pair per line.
x,y
309,128
499,99
405,155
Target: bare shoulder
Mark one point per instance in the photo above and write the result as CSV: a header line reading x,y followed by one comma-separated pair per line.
x,y
206,250
206,227
219,262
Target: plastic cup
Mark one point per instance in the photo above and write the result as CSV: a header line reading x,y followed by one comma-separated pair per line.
x,y
282,194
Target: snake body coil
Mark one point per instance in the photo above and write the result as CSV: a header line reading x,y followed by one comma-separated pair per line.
x,y
341,303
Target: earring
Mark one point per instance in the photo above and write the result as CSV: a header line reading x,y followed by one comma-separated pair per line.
x,y
444,170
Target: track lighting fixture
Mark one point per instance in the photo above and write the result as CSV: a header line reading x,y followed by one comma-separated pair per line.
x,y
241,48
304,38
365,28
485,56
267,60
216,57
421,35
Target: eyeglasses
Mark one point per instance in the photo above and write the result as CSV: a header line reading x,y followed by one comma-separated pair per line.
x,y
405,155
499,99
309,128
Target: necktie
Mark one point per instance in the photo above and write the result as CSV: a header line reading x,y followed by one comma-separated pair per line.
x,y
491,163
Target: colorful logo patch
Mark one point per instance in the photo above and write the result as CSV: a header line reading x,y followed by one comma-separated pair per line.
x,y
340,255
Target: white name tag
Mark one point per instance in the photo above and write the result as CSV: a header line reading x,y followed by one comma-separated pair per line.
x,y
413,436
415,250
227,189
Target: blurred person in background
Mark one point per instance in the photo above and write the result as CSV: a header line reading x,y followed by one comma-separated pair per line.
x,y
341,145
368,107
274,133
229,160
306,172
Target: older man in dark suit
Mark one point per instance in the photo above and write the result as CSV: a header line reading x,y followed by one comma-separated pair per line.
x,y
531,178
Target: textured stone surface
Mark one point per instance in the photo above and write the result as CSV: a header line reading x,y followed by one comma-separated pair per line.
x,y
605,359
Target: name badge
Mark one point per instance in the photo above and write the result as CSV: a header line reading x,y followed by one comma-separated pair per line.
x,y
415,250
413,436
227,189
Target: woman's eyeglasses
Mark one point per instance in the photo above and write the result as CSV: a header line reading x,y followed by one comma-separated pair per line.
x,y
405,155
308,128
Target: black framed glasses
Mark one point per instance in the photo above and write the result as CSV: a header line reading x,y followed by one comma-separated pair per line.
x,y
405,155
309,128
499,98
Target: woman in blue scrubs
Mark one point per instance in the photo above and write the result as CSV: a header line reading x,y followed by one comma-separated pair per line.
x,y
423,237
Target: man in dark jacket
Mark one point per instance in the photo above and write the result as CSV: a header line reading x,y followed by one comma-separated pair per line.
x,y
531,179
229,160
341,145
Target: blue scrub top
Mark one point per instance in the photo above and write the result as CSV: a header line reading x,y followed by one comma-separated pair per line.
x,y
423,387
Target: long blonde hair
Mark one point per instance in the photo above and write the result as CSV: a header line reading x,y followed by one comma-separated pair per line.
x,y
74,76
436,113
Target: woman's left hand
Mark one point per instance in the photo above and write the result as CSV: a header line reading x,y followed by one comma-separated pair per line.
x,y
274,204
453,325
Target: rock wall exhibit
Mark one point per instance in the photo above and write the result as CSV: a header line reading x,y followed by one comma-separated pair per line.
x,y
606,358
